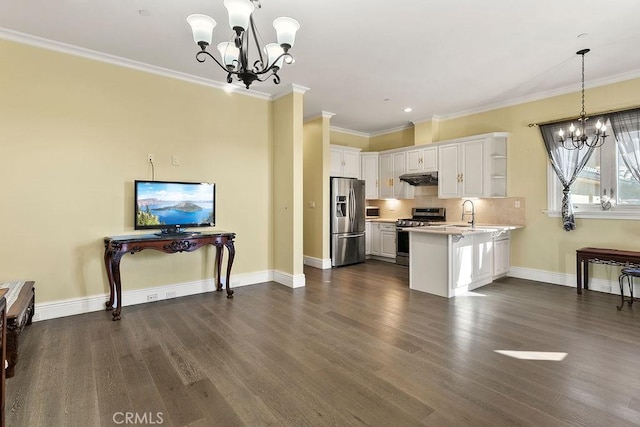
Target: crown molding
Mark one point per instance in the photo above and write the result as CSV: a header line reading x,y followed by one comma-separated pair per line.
x,y
388,131
618,78
433,118
291,88
350,132
39,42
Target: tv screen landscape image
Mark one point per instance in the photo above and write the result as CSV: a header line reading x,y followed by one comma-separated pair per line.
x,y
172,206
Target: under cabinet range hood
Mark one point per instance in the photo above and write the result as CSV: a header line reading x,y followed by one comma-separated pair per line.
x,y
421,178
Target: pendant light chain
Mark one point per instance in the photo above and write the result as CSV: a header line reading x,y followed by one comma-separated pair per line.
x,y
584,113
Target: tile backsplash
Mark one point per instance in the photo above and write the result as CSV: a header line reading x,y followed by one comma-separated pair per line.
x,y
488,211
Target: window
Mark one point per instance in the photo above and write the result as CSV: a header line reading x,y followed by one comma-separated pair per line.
x,y
606,187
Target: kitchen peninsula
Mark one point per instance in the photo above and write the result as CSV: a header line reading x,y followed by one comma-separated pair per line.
x,y
451,260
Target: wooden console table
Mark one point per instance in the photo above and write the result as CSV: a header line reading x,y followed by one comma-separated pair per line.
x,y
116,246
601,256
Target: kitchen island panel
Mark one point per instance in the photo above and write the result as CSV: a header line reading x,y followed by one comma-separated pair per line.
x,y
429,263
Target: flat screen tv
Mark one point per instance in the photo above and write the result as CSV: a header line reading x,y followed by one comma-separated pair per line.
x,y
172,206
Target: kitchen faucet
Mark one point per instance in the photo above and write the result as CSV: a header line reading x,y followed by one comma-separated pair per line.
x,y
473,213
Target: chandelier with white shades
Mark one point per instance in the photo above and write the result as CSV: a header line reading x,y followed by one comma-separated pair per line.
x,y
234,54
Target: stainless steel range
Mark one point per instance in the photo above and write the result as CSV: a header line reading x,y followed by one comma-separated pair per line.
x,y
420,217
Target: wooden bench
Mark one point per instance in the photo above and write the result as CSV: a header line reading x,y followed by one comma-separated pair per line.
x,y
19,314
584,256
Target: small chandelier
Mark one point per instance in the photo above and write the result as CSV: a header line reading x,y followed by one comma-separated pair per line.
x,y
578,137
235,53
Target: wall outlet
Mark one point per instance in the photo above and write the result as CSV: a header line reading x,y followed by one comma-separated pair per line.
x,y
150,158
171,294
175,160
152,297
517,203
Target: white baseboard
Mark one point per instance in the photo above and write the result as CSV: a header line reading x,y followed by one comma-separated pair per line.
x,y
73,306
322,264
381,258
563,279
286,279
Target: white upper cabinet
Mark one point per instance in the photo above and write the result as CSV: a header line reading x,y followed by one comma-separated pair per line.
x,y
401,190
369,173
473,167
345,161
385,187
392,165
422,160
449,172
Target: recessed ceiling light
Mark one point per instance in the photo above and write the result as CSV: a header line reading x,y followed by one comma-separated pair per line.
x,y
408,110
144,12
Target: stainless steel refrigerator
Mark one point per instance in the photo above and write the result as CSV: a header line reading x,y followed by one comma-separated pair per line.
x,y
347,221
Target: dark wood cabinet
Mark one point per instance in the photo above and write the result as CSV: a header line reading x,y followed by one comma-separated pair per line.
x,y
3,340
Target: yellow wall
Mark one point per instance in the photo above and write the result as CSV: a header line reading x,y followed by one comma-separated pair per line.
x,y
427,132
388,141
74,136
287,184
316,187
349,139
543,244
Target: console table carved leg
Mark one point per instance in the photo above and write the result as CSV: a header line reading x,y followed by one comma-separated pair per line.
x,y
579,275
115,268
218,266
232,253
12,349
107,264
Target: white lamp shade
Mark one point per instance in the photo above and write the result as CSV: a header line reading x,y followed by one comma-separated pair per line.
x,y
202,27
229,53
286,30
239,12
274,50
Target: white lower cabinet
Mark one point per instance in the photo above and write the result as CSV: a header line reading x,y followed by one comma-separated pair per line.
x,y
471,261
388,240
375,239
367,238
383,240
501,254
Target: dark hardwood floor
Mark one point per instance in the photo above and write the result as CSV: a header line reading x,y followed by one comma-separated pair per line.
x,y
355,347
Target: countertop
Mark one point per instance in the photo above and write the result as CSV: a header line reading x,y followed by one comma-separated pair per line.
x,y
462,229
385,220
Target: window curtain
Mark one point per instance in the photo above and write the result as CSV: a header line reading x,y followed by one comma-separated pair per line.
x,y
567,165
626,128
